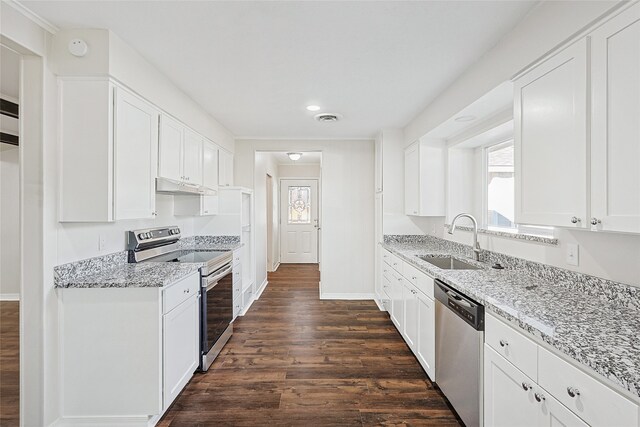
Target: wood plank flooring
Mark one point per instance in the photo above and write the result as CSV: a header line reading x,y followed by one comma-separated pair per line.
x,y
295,360
9,363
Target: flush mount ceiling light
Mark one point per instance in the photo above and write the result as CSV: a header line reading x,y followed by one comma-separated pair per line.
x,y
313,107
462,119
327,117
294,156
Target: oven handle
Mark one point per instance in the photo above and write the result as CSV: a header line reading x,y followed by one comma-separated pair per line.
x,y
213,281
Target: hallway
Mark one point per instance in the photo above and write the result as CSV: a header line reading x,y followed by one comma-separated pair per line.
x,y
298,360
9,363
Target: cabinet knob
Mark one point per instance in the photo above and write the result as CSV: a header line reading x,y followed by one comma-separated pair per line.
x,y
415,212
154,213
504,343
526,386
595,221
414,278
573,392
539,397
575,220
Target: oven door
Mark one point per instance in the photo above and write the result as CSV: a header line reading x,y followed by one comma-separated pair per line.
x,y
217,306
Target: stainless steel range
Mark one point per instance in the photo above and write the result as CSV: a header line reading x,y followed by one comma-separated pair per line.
x,y
216,282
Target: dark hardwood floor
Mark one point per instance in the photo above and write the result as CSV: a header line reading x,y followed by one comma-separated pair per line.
x,y
295,360
9,363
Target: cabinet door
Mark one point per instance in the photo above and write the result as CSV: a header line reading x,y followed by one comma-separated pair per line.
x,y
615,139
209,205
378,166
509,399
170,149
210,165
378,248
550,119
192,157
426,345
412,180
136,156
180,347
410,296
225,171
397,301
552,413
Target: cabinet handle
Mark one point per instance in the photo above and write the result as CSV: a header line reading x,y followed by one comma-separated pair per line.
x,y
539,397
575,220
573,392
504,343
415,212
526,386
206,211
595,221
414,278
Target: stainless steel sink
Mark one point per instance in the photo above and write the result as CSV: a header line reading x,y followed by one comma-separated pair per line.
x,y
448,263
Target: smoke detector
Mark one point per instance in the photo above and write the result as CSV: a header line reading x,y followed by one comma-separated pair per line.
x,y
327,117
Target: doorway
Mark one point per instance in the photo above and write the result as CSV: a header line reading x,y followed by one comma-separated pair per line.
x,y
270,249
299,221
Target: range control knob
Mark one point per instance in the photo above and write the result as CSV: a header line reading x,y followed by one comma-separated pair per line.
x,y
141,236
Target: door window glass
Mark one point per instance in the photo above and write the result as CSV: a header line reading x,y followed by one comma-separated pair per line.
x,y
299,205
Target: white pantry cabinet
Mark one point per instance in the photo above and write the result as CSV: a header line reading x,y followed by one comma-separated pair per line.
x,y
424,179
615,123
225,168
550,119
108,152
180,152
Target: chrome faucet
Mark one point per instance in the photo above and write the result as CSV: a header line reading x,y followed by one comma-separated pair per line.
x,y
476,245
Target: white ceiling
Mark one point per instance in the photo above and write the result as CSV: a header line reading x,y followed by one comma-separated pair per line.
x,y
307,158
256,65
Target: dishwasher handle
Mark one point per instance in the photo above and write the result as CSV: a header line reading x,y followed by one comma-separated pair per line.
x,y
462,306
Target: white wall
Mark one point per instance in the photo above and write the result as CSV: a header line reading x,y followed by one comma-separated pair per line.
x,y
9,222
347,205
264,164
308,170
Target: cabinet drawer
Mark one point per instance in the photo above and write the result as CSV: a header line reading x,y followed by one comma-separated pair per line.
x,y
420,280
512,345
396,263
237,287
179,291
236,258
247,297
386,256
386,286
592,401
237,273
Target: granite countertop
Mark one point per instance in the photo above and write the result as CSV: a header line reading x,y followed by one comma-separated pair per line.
x,y
599,334
141,275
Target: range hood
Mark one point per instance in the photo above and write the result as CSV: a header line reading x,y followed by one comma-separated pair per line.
x,y
169,186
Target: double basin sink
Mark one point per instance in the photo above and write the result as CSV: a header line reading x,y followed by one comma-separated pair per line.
x,y
448,263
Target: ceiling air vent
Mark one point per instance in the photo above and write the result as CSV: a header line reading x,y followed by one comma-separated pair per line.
x,y
327,117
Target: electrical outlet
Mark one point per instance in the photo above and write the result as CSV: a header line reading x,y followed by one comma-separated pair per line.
x,y
573,254
101,242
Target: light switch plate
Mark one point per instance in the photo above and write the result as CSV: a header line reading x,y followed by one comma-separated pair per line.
x,y
101,242
573,254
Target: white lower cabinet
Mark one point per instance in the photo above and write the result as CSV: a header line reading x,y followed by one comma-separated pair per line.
x,y
180,347
126,353
556,393
426,344
410,295
397,301
511,399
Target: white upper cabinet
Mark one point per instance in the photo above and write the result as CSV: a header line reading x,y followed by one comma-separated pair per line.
x,y
225,168
210,165
424,179
108,158
180,157
615,126
550,118
170,148
192,157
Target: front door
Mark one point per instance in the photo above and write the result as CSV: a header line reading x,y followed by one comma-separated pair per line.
x,y
299,220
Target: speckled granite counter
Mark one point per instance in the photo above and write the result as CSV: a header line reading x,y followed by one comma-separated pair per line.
x,y
598,331
113,271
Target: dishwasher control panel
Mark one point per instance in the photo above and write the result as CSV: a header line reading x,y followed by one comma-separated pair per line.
x,y
464,307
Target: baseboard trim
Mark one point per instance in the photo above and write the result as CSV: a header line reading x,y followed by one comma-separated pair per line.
x,y
102,421
380,306
9,297
261,289
347,296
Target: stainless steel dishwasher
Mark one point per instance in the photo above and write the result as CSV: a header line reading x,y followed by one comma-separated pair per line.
x,y
459,340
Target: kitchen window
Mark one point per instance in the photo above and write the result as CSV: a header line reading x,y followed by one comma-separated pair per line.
x,y
500,192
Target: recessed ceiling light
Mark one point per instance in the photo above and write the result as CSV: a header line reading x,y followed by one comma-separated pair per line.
x,y
294,156
465,119
313,107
